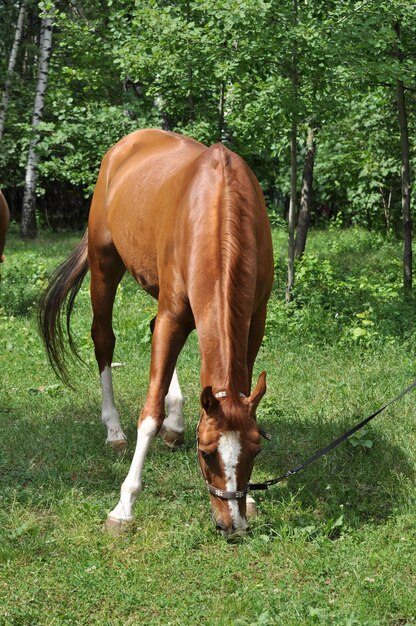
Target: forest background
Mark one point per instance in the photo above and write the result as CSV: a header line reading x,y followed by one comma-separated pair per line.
x,y
319,97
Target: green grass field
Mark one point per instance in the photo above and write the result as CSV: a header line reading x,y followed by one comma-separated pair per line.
x,y
334,545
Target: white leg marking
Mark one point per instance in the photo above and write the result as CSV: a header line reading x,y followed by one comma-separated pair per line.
x,y
109,414
132,485
251,509
174,404
229,448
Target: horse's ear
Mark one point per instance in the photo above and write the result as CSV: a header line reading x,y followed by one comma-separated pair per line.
x,y
209,402
258,392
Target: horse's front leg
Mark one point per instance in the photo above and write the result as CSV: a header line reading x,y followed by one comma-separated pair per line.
x,y
257,326
168,339
173,428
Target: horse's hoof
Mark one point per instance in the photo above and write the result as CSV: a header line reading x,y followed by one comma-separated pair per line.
x,y
118,445
115,526
251,508
171,439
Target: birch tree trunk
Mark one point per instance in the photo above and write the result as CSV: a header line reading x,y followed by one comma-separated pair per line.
x,y
28,227
293,166
10,69
306,194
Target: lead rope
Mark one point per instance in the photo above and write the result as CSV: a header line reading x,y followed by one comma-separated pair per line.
x,y
323,451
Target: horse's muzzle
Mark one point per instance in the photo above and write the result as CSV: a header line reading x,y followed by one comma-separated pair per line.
x,y
229,532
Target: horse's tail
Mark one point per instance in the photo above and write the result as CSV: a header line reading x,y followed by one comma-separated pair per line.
x,y
60,294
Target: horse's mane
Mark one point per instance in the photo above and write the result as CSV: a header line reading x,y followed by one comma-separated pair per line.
x,y
238,260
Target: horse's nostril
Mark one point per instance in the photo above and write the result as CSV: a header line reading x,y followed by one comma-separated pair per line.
x,y
219,525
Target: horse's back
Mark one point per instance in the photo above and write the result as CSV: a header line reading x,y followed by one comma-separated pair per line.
x,y
162,198
139,166
4,223
141,179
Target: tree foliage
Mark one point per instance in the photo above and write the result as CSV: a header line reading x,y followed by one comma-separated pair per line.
x,y
221,71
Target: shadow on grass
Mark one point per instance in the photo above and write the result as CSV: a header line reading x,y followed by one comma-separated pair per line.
x,y
367,483
43,459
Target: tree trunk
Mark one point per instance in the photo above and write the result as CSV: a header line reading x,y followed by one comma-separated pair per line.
x,y
12,63
386,195
191,105
404,145
221,108
293,166
407,217
28,227
306,194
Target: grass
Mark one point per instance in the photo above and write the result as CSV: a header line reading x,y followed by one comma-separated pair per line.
x,y
333,545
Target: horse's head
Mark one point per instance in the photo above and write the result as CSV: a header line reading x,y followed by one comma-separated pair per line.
x,y
228,443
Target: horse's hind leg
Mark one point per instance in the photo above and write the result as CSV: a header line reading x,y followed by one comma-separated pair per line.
x,y
173,427
107,270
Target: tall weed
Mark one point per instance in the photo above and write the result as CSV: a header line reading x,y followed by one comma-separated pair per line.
x,y
339,299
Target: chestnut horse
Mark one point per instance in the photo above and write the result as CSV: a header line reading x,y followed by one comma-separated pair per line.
x,y
190,224
4,224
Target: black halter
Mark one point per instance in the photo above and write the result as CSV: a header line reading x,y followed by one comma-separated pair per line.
x,y
227,495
